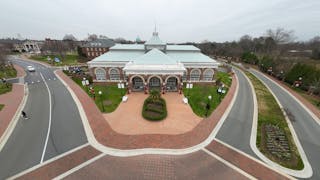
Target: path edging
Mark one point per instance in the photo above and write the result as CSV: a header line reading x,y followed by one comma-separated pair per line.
x,y
306,172
133,152
7,133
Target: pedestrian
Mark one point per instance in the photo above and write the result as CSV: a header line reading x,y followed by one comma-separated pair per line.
x,y
24,115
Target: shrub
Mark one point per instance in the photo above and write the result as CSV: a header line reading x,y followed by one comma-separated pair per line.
x,y
154,109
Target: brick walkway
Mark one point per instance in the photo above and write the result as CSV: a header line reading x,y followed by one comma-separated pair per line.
x,y
11,101
198,165
127,118
243,162
105,135
63,164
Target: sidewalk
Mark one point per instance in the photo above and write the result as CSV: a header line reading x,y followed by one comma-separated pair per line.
x,y
106,136
11,101
243,162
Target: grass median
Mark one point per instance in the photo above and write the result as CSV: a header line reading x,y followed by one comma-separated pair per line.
x,y
271,119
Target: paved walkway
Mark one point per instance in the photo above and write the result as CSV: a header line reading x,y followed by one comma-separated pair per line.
x,y
127,118
106,136
11,101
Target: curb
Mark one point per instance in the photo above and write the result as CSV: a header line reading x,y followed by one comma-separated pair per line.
x,y
5,136
133,152
306,172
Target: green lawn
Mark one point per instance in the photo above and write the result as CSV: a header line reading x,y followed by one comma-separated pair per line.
x,y
110,98
198,95
269,112
224,77
1,106
70,59
4,88
7,72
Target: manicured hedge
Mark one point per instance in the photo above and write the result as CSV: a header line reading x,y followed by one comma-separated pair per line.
x,y
162,113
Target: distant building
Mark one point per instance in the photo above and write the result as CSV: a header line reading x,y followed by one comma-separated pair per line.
x,y
27,46
153,65
97,47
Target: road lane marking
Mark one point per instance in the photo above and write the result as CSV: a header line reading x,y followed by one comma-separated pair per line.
x,y
50,114
228,164
48,161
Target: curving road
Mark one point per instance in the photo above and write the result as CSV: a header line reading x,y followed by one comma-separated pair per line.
x,y
26,146
236,130
306,128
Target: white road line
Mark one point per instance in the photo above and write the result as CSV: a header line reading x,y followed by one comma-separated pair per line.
x,y
67,173
48,161
49,126
228,164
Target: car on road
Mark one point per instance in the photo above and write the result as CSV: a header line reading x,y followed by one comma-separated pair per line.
x,y
31,69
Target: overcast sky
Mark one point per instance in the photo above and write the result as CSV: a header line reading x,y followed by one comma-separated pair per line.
x,y
177,20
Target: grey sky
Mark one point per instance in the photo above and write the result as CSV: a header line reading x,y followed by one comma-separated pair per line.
x,y
177,20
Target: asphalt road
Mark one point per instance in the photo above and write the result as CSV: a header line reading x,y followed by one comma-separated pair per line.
x,y
307,130
236,130
25,147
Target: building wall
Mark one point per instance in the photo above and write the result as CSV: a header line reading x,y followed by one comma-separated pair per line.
x,y
93,52
146,77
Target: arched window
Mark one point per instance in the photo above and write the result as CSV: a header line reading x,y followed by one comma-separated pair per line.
x,y
100,74
114,74
195,75
208,75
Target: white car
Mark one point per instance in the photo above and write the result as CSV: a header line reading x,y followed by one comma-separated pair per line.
x,y
31,69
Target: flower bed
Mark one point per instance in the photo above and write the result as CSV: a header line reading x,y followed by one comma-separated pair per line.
x,y
154,107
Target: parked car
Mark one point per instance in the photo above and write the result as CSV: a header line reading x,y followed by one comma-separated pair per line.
x,y
31,69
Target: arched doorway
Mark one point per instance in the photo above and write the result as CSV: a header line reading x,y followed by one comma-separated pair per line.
x,y
155,83
172,84
137,83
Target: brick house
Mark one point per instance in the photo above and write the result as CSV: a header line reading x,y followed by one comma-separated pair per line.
x,y
96,48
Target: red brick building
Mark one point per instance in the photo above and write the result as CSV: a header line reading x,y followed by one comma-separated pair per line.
x,y
97,47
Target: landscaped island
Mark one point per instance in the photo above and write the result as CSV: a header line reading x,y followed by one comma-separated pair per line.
x,y
154,107
274,138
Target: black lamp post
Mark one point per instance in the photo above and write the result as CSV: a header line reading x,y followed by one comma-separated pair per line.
x,y
208,105
100,93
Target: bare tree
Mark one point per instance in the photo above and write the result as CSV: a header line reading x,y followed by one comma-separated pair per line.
x,y
246,43
92,37
280,35
69,37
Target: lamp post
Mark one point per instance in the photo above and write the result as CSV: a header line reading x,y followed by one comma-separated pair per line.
x,y
221,91
208,105
100,94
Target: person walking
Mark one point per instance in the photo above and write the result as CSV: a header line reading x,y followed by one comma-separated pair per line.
x,y
24,115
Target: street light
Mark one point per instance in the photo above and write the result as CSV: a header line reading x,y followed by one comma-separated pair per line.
x,y
100,93
208,105
221,91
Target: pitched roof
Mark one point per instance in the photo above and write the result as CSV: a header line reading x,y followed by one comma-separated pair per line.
x,y
154,56
155,40
100,43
